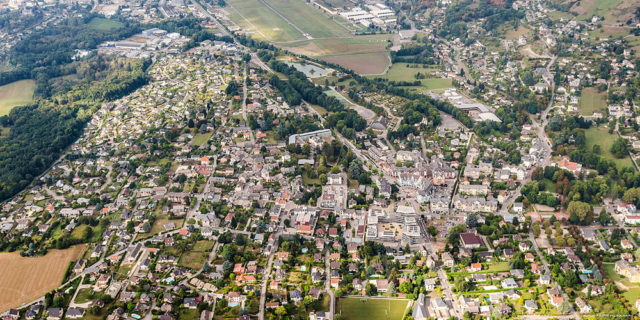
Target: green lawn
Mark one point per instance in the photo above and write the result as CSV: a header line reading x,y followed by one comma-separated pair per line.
x,y
104,24
15,94
371,309
601,136
338,96
499,267
200,139
203,246
591,100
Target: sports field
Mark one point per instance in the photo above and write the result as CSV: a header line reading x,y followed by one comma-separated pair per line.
x,y
104,24
15,94
591,100
371,309
23,279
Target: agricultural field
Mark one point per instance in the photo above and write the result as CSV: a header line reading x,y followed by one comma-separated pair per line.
x,y
602,137
591,100
104,24
15,94
338,46
362,63
371,309
25,279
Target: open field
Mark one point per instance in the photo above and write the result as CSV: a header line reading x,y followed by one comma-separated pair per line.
x,y
197,256
158,226
104,24
15,94
601,136
405,72
25,279
362,63
613,11
309,19
591,100
336,46
371,309
514,34
255,17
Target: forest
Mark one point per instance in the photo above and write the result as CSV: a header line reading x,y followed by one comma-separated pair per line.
x,y
40,132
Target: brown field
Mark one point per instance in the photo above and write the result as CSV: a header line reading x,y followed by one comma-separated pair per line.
x,y
25,279
362,63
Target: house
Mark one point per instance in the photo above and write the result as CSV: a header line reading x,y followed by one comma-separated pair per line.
x,y
508,283
320,315
631,272
54,313
430,284
530,305
470,240
475,267
74,313
420,309
447,260
583,306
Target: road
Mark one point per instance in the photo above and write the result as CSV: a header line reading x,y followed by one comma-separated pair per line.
x,y
244,106
327,285
547,270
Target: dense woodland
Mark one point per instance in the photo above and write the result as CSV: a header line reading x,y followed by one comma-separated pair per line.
x,y
40,132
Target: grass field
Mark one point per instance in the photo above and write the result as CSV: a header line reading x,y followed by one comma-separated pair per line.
x,y
601,136
158,226
309,19
197,256
16,94
200,138
404,72
591,100
371,309
104,24
255,17
25,279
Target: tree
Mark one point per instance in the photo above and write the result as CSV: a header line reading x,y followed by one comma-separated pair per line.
x,y
619,148
370,289
605,217
536,229
582,210
391,289
281,311
472,220
564,307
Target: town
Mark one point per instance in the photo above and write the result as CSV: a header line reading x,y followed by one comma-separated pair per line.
x,y
490,171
